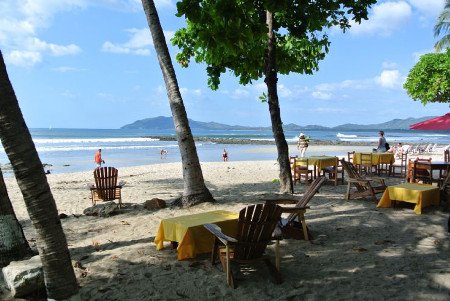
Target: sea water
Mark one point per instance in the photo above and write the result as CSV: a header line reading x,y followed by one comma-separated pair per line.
x,y
72,150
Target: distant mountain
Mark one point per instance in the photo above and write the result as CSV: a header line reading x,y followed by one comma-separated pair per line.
x,y
166,123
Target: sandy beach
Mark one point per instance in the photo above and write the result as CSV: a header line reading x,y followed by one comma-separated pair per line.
x,y
359,252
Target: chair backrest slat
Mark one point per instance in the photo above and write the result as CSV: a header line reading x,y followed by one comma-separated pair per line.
x,y
255,227
353,174
106,182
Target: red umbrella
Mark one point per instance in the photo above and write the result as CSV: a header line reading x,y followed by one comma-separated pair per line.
x,y
440,123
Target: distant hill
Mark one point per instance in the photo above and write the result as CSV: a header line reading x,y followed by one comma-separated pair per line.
x,y
166,123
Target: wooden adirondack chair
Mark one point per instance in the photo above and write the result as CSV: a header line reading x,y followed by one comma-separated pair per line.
x,y
364,187
255,226
294,225
106,187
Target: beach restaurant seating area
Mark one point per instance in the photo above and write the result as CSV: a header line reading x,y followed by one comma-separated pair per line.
x,y
242,238
419,178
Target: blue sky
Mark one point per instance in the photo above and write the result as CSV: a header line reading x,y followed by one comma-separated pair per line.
x,y
91,64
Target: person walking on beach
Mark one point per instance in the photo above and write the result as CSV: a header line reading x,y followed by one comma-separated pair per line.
x,y
381,148
163,153
98,158
225,155
302,144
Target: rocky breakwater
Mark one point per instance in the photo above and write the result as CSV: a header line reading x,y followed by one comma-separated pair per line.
x,y
258,142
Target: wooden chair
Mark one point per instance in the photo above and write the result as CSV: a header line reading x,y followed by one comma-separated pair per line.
x,y
422,172
364,187
399,170
255,226
335,173
366,165
294,225
301,170
446,155
292,163
106,187
445,192
350,156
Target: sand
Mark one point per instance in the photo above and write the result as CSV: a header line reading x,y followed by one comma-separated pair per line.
x,y
359,252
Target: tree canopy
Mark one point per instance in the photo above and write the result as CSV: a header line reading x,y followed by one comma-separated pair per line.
x,y
429,79
443,26
232,34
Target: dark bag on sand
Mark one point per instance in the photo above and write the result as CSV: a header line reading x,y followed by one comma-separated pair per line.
x,y
386,145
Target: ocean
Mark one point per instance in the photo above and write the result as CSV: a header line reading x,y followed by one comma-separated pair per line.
x,y
72,150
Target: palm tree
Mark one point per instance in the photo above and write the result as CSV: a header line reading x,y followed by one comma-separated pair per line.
x,y
59,276
195,190
13,244
443,26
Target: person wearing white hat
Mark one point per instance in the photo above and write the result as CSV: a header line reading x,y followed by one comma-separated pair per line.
x,y
302,144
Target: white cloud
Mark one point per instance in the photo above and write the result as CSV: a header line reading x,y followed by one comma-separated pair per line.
x,y
416,55
64,69
321,95
69,94
389,65
345,84
23,58
327,110
428,7
186,92
137,44
240,94
389,79
54,49
283,91
384,18
20,22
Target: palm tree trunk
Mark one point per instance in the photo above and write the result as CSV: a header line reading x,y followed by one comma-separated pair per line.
x,y
59,276
195,190
13,244
274,109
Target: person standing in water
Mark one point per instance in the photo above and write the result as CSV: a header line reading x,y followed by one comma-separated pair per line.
x,y
98,158
225,155
302,144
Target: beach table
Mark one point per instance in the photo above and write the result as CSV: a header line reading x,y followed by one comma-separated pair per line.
x,y
190,234
320,162
422,195
377,158
441,167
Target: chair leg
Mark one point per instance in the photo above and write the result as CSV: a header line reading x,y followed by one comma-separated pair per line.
x,y
277,254
273,271
230,280
214,251
347,194
301,218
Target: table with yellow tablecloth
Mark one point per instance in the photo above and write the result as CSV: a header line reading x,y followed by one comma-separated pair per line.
x,y
420,194
190,234
377,158
319,162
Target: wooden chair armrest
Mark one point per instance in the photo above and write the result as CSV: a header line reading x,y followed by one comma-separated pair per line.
x,y
216,231
365,181
293,209
92,187
281,201
121,184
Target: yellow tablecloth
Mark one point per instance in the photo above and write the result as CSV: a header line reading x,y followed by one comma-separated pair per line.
x,y
419,194
377,158
190,234
321,161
